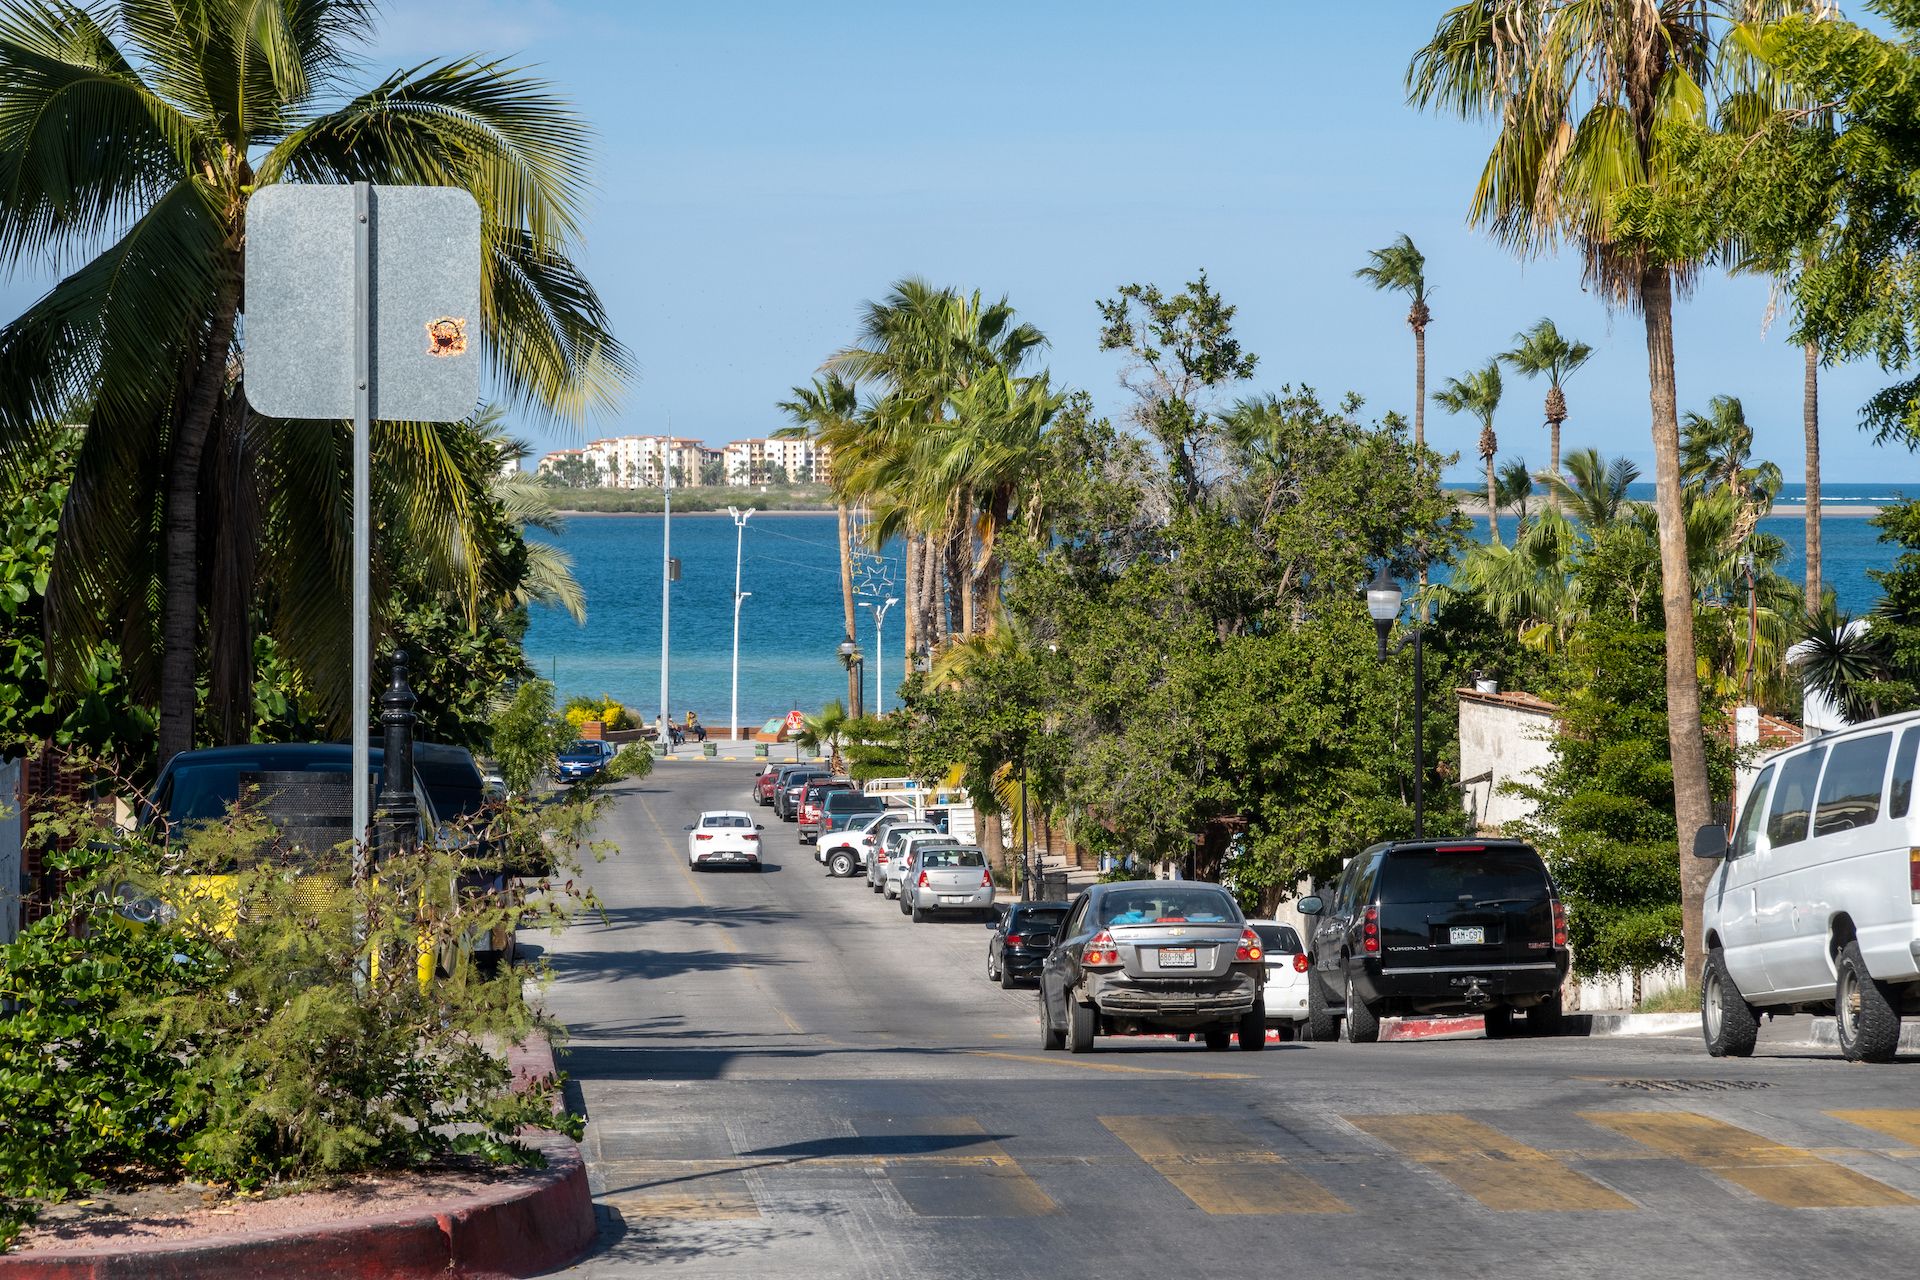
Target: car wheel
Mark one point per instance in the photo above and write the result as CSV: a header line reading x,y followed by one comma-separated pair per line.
x,y
1727,1021
1321,1023
1548,1018
1081,1020
919,916
905,910
1362,1024
1499,1022
1218,1038
1252,1033
1869,1022
841,865
1050,1038
1004,977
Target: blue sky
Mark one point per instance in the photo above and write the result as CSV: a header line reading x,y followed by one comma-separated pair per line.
x,y
767,166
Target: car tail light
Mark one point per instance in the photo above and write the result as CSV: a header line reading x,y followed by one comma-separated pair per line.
x,y
1300,963
881,857
1370,931
1560,921
922,881
753,836
699,835
1249,948
1913,872
1101,953
1013,939
986,879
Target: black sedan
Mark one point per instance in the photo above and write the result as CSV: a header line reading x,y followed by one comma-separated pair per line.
x,y
1023,934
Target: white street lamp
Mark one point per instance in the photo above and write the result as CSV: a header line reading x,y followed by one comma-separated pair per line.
x,y
740,519
880,652
666,578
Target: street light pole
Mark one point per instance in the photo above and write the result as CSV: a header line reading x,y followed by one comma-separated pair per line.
x,y
740,519
1383,605
666,575
880,651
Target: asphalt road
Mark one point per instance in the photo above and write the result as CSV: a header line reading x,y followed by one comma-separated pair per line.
x,y
783,1076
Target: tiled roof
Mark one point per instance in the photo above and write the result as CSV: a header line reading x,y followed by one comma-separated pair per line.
x,y
1508,698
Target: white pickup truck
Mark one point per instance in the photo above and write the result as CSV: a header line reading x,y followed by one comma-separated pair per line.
x,y
1816,904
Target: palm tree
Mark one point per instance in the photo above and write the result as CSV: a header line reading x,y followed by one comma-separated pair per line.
x,y
1580,93
1543,350
1716,450
1842,659
151,127
828,412
1593,491
1514,491
1478,393
1403,268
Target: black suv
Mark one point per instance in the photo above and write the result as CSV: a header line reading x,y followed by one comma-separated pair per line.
x,y
1437,926
1023,934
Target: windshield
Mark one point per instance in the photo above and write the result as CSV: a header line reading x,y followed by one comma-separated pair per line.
x,y
207,792
1436,875
1278,938
937,858
854,802
1039,918
727,820
1192,904
582,748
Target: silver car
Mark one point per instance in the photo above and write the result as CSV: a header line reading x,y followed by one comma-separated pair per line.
x,y
947,878
903,864
888,850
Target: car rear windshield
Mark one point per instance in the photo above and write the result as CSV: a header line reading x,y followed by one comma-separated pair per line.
x,y
854,802
1039,917
727,820
941,857
1194,905
1279,938
207,792
1442,875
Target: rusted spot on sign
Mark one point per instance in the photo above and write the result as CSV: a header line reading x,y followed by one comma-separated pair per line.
x,y
447,336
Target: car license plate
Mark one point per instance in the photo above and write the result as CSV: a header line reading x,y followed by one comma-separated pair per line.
x,y
1473,935
1176,957
953,897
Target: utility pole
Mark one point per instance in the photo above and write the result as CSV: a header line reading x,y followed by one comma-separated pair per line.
x,y
740,519
666,567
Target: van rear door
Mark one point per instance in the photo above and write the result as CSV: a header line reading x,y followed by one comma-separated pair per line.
x,y
1465,904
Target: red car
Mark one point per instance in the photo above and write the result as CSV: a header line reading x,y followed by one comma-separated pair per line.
x,y
763,783
810,804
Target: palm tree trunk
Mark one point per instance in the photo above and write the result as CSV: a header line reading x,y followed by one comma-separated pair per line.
x,y
180,612
1692,798
1553,494
846,598
1420,435
1810,421
1493,503
911,594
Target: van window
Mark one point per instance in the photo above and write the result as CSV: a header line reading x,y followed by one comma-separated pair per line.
x,y
1850,788
1750,817
1792,798
1902,792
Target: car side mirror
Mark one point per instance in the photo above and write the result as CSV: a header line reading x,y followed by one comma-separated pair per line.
x,y
1311,905
759,826
1710,841
689,826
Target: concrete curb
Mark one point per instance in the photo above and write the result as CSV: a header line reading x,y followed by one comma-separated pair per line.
x,y
1576,1024
1825,1034
540,1222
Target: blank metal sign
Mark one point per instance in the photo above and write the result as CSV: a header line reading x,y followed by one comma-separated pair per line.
x,y
424,302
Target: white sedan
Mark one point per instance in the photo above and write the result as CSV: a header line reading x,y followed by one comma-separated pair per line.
x,y
1286,991
724,838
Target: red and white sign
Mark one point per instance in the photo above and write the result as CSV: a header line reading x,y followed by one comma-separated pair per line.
x,y
796,723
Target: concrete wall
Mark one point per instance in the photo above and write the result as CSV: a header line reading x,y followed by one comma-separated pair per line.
x,y
1504,737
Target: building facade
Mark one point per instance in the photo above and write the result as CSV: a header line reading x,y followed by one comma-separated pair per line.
x,y
641,462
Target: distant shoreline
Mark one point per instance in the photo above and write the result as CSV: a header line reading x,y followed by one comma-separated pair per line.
x,y
687,515
1476,505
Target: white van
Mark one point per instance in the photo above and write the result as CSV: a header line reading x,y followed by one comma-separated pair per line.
x,y
1816,905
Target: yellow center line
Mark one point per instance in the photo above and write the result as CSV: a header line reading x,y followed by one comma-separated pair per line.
x,y
1107,1066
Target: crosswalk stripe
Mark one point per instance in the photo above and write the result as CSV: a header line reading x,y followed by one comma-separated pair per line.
x,y
1489,1166
1904,1125
1219,1168
1786,1176
962,1173
681,1189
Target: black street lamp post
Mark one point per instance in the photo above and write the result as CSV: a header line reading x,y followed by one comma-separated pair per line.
x,y
1383,605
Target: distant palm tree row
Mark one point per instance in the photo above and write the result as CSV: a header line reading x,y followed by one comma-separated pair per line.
x,y
933,419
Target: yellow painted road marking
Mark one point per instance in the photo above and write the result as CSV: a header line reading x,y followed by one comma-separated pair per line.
x,y
1779,1174
1489,1166
1904,1125
670,1189
1064,1060
1219,1168
976,1178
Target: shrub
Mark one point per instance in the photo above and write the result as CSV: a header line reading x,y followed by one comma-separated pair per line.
x,y
606,709
527,736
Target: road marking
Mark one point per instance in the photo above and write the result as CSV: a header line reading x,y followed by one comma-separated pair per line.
x,y
1219,1168
1787,1176
1489,1166
1064,1061
973,1177
682,1189
1904,1125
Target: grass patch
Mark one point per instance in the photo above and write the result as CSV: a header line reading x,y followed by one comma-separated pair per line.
x,y
1672,1000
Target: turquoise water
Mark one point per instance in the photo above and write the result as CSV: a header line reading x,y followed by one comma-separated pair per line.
x,y
790,628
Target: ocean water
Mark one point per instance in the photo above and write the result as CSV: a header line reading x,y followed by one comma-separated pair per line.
x,y
790,628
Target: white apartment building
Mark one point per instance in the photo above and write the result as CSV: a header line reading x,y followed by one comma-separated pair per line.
x,y
752,461
638,462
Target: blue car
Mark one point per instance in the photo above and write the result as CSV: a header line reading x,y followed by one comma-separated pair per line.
x,y
580,760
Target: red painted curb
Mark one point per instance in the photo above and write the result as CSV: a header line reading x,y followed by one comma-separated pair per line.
x,y
1430,1028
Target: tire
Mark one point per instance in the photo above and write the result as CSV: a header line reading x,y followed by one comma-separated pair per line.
x,y
1727,1022
1219,1039
1548,1018
1003,976
1361,1024
840,865
919,916
1081,1024
1869,1023
1050,1039
1321,1023
1252,1032
1499,1022
905,910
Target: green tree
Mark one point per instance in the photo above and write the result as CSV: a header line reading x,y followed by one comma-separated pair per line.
x,y
1478,394
526,736
828,413
1583,96
151,129
1401,268
1544,351
1514,490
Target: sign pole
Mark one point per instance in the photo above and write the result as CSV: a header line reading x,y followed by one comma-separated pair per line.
x,y
362,692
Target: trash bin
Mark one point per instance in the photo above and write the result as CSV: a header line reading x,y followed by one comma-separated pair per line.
x,y
759,751
709,749
659,748
1054,886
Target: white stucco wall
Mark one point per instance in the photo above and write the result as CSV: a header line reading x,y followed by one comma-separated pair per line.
x,y
1510,737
